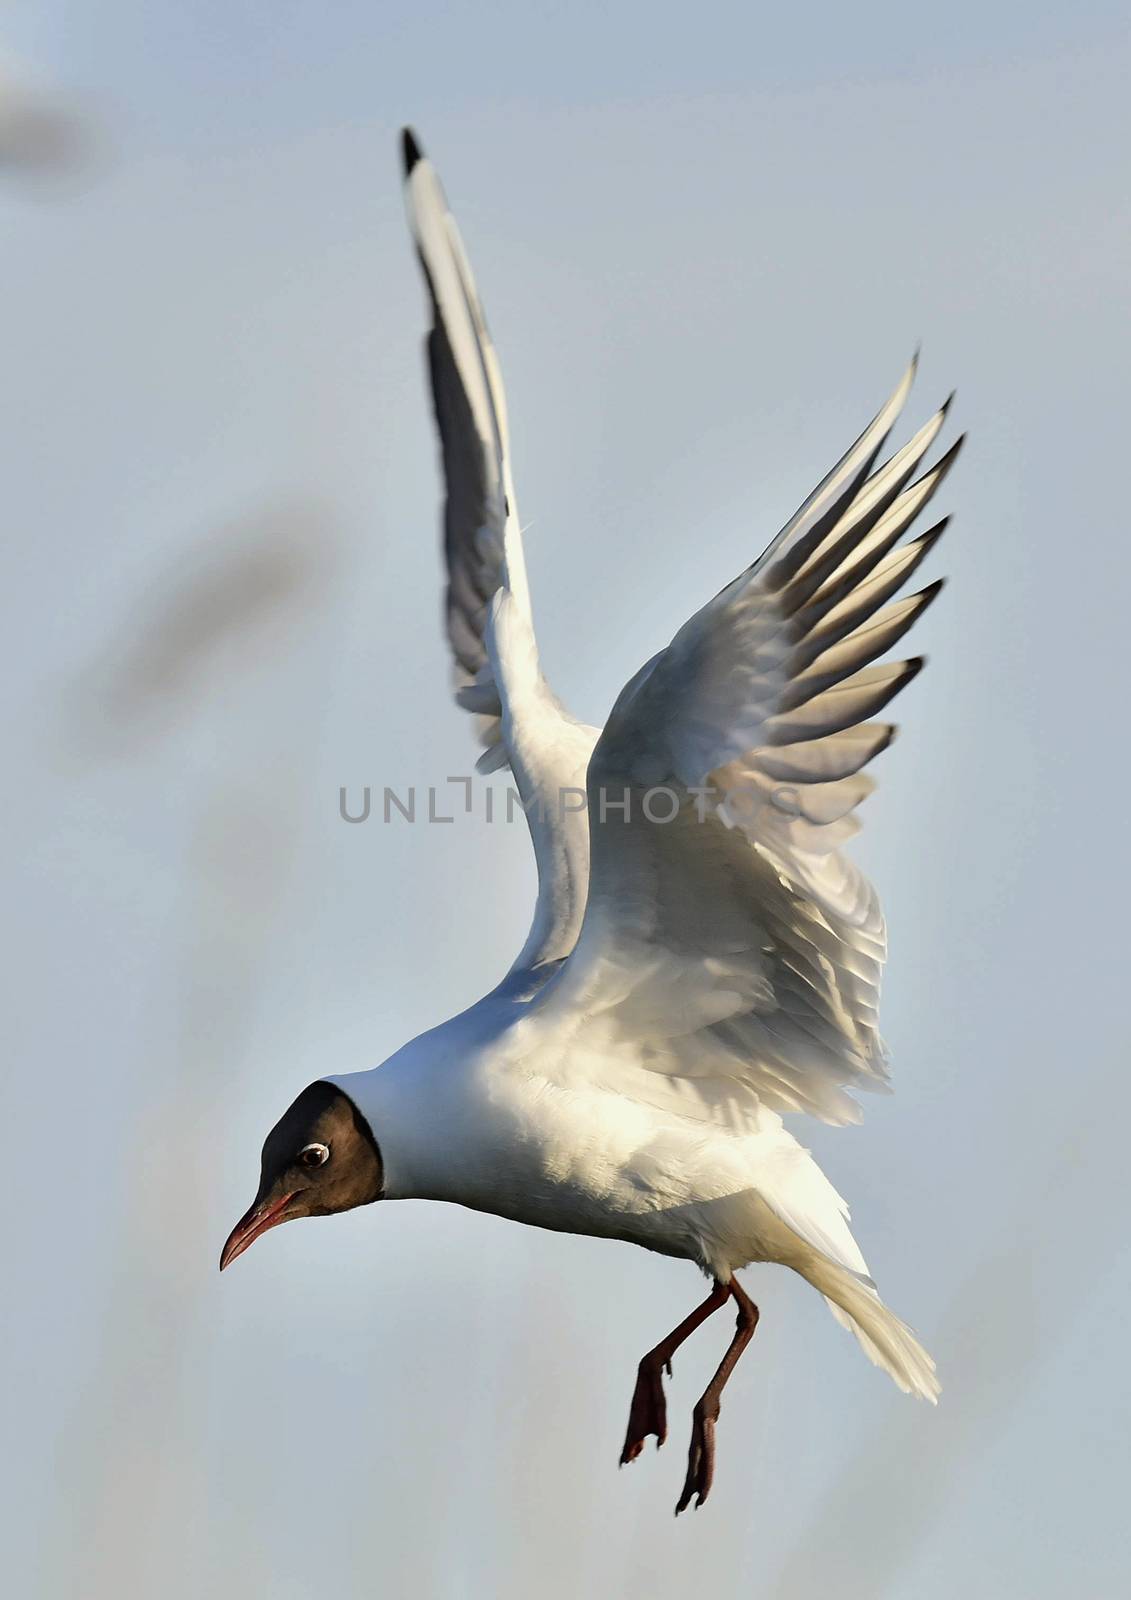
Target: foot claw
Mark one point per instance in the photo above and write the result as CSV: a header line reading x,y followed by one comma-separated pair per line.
x,y
647,1414
700,1462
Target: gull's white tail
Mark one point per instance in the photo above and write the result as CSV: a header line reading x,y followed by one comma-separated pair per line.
x,y
885,1340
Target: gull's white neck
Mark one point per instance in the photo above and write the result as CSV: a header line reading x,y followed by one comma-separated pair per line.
x,y
425,1104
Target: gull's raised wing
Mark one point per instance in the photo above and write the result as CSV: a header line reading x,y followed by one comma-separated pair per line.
x,y
727,942
497,678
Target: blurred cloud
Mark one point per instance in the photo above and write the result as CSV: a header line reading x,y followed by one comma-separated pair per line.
x,y
43,135
226,606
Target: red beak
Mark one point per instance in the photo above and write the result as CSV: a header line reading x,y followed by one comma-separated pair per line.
x,y
261,1217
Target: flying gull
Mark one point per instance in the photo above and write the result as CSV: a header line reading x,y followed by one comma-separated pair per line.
x,y
702,958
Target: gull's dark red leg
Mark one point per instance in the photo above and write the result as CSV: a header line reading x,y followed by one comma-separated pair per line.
x,y
648,1412
701,1455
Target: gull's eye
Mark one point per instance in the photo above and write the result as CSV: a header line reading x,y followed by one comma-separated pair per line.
x,y
314,1155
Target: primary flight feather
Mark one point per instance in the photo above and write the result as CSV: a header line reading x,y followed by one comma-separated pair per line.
x,y
702,956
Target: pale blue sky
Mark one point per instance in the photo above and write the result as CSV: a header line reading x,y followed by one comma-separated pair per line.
x,y
707,240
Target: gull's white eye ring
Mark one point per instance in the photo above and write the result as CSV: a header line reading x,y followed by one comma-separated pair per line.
x,y
314,1155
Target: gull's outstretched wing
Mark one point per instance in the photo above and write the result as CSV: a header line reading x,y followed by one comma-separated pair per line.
x,y
521,723
726,940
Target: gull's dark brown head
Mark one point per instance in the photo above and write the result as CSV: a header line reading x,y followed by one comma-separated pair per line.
x,y
320,1157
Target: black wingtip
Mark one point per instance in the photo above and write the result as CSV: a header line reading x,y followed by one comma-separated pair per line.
x,y
410,150
943,465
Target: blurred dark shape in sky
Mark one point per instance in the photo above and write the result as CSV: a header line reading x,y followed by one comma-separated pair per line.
x,y
43,137
226,607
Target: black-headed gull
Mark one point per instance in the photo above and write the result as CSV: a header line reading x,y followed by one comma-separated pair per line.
x,y
702,956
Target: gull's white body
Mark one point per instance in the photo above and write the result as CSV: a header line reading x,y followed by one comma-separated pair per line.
x,y
684,981
488,1113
